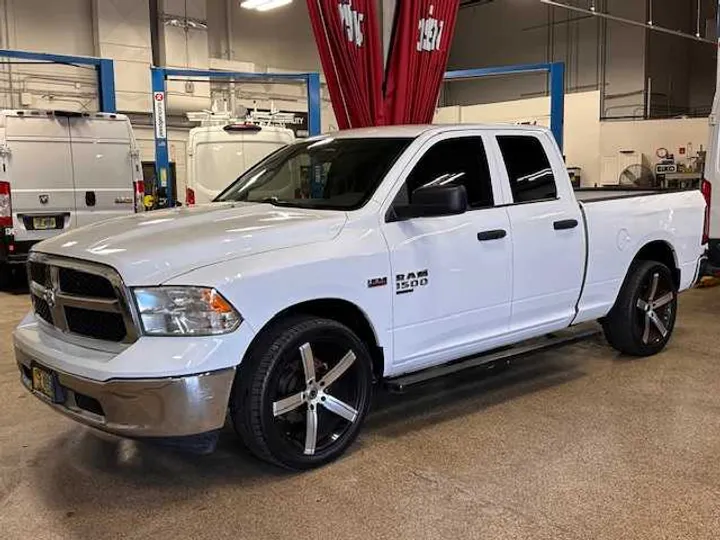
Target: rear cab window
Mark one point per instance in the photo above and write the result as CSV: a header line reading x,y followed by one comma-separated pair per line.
x,y
529,171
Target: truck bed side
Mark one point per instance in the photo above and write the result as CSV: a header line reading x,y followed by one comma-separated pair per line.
x,y
618,228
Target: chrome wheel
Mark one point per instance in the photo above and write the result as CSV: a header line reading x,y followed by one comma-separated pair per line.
x,y
318,396
655,307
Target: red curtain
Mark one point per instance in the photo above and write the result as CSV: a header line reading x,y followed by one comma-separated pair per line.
x,y
420,48
346,32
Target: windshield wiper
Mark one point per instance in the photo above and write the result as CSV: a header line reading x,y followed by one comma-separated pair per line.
x,y
272,200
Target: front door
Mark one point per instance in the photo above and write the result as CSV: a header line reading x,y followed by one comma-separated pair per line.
x,y
452,274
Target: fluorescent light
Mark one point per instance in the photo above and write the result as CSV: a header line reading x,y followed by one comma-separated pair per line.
x,y
264,5
252,4
273,4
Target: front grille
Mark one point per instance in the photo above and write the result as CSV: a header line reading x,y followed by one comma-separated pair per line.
x,y
42,309
84,284
97,324
39,273
81,298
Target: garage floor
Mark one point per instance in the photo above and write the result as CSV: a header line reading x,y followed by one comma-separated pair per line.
x,y
578,443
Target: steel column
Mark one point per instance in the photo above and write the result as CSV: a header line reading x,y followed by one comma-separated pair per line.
x,y
162,155
557,102
106,86
314,104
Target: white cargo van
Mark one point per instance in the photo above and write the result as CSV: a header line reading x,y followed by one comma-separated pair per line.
x,y
219,154
711,189
61,170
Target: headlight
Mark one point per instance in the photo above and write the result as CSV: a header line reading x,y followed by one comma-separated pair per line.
x,y
185,311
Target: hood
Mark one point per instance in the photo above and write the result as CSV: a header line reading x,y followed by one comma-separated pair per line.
x,y
153,247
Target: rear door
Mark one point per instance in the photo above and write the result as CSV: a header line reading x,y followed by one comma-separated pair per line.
x,y
548,234
102,164
41,175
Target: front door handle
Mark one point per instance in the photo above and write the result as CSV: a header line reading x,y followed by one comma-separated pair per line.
x,y
565,224
486,236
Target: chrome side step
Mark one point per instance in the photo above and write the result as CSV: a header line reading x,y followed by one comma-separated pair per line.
x,y
493,358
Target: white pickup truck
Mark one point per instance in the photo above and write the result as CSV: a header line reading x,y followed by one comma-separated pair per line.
x,y
337,262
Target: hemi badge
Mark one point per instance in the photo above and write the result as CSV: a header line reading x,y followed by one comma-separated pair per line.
x,y
377,282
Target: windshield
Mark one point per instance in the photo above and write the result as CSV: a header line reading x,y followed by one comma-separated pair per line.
x,y
339,174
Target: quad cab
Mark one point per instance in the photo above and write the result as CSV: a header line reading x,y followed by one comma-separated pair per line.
x,y
388,254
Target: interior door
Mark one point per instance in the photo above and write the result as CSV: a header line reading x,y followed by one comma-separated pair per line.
x,y
452,275
40,172
548,236
102,168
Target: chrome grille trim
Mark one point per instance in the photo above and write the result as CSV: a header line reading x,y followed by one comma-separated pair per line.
x,y
58,300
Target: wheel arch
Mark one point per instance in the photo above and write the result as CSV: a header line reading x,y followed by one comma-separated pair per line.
x,y
660,251
339,310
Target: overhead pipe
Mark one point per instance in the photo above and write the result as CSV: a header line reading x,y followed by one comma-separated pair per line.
x,y
647,26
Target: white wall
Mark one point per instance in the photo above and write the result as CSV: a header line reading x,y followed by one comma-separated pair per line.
x,y
625,68
582,124
61,27
646,137
518,32
122,32
281,38
590,143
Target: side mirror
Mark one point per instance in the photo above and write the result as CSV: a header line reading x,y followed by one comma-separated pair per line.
x,y
434,200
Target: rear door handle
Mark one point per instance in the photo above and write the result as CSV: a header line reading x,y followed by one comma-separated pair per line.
x,y
487,236
565,224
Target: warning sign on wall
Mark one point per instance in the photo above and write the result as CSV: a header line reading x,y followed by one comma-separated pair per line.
x,y
159,115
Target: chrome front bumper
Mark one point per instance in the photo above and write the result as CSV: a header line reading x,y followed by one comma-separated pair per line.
x,y
169,407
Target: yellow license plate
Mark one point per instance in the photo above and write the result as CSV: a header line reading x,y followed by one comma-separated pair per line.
x,y
43,223
43,383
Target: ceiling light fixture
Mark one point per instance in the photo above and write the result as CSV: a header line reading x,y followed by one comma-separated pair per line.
x,y
264,5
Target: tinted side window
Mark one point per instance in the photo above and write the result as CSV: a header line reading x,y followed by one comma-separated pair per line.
x,y
528,167
465,160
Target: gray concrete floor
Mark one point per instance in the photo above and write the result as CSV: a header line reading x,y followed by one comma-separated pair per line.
x,y
577,443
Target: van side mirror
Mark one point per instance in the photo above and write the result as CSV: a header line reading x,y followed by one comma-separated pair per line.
x,y
433,201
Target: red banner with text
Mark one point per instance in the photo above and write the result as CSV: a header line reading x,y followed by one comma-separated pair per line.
x,y
419,52
346,32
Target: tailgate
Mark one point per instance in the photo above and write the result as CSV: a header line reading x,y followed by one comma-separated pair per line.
x,y
102,167
40,175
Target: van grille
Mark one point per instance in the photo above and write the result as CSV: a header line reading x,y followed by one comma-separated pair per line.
x,y
81,298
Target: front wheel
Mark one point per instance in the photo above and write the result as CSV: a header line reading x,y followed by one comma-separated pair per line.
x,y
302,394
643,319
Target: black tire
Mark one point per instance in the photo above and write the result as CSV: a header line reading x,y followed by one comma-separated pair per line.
x,y
276,370
649,294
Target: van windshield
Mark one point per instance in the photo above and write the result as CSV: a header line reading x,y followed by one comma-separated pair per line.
x,y
338,174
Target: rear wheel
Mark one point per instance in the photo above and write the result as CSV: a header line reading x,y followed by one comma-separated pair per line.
x,y
643,319
302,394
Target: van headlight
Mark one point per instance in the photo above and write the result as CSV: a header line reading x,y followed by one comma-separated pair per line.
x,y
185,311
